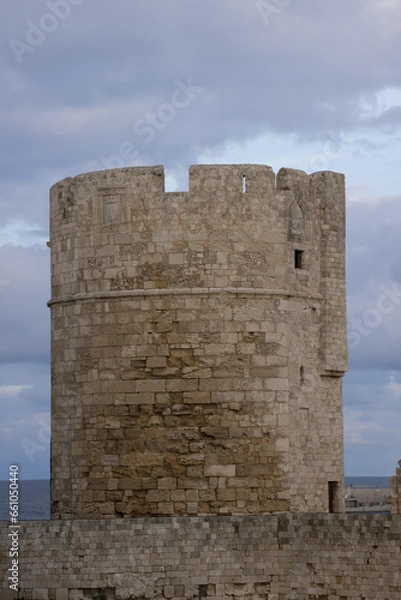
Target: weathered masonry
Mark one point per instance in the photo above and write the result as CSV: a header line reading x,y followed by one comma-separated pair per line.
x,y
273,557
198,343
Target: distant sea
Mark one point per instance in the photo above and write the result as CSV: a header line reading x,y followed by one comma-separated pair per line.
x,y
34,500
380,483
34,496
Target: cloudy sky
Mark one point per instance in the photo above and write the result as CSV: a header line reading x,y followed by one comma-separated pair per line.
x,y
92,84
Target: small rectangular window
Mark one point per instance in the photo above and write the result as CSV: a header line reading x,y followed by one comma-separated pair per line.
x,y
298,259
333,496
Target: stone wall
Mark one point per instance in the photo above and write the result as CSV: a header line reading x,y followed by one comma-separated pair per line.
x,y
283,557
198,342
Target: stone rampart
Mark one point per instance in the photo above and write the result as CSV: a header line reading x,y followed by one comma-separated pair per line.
x,y
283,557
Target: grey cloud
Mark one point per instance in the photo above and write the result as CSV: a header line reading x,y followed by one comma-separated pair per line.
x,y
372,403
260,78
388,119
24,418
374,283
24,318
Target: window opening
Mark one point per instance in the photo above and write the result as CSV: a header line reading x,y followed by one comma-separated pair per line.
x,y
333,491
298,259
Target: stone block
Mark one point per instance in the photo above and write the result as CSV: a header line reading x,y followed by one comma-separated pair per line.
x,y
9,594
42,594
220,470
197,397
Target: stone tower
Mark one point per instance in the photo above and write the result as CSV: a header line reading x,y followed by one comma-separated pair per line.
x,y
198,342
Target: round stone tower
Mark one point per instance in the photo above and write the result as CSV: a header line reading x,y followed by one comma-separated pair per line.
x,y
198,342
